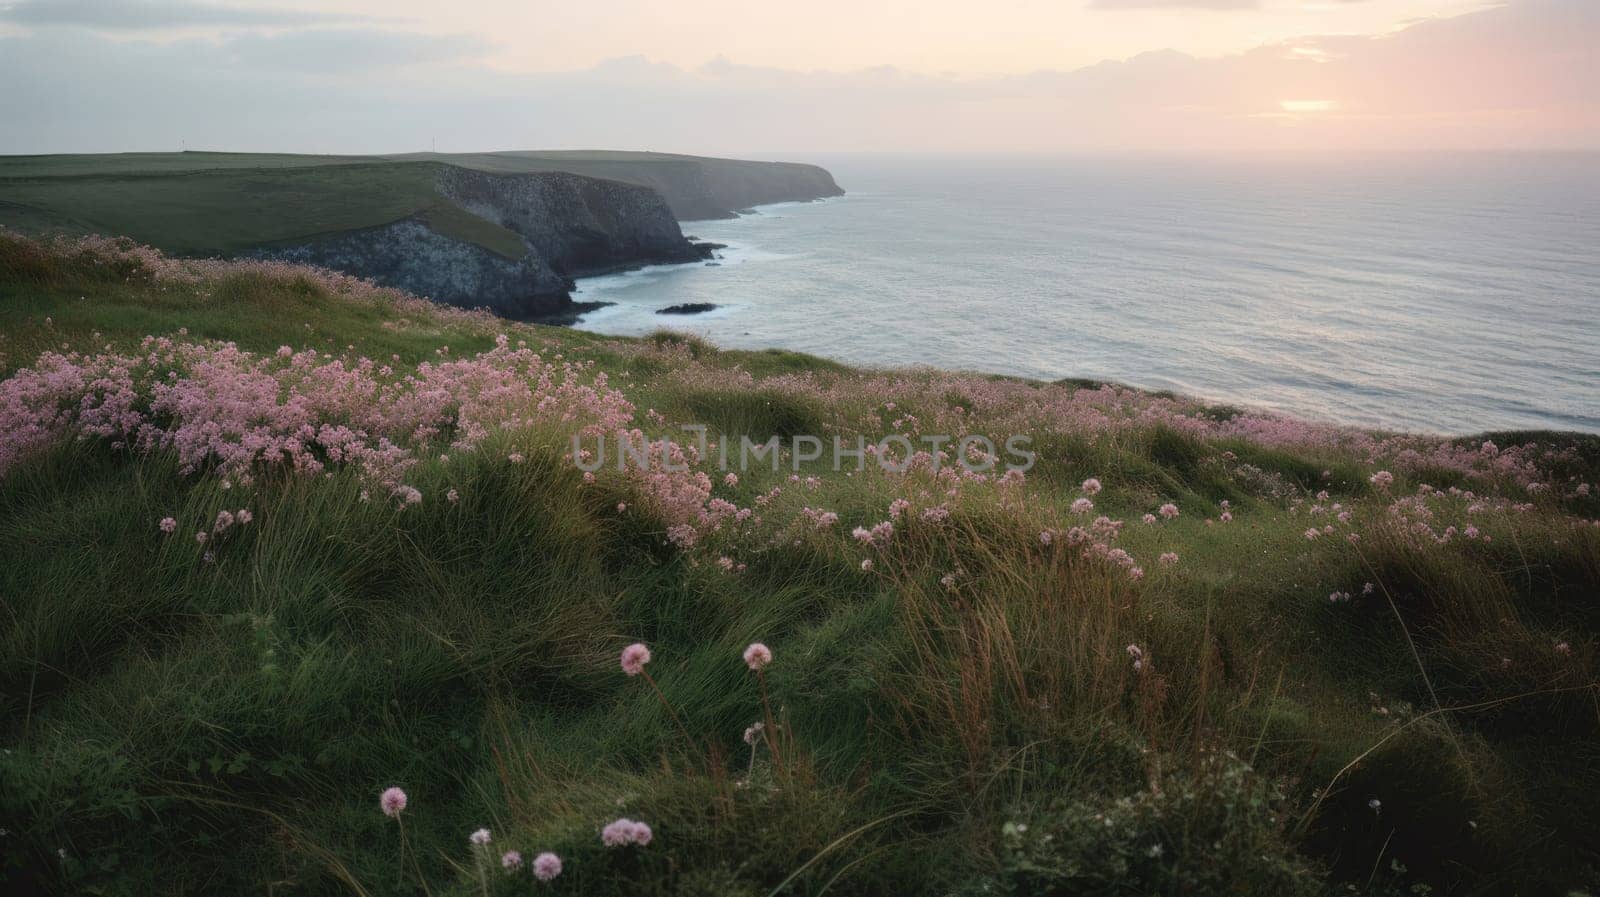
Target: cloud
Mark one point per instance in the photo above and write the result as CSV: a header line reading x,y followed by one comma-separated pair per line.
x,y
141,15
1513,76
327,50
1174,4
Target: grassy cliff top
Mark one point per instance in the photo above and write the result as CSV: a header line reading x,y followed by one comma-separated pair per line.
x,y
201,203
235,204
273,541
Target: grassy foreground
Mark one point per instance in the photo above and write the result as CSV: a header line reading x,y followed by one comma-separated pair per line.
x,y
273,541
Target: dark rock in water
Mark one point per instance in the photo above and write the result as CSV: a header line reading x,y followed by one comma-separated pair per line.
x,y
687,308
568,316
713,264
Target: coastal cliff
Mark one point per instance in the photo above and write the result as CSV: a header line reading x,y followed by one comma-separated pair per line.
x,y
562,225
695,187
504,231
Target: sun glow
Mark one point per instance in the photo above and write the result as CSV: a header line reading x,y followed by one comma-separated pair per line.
x,y
1302,106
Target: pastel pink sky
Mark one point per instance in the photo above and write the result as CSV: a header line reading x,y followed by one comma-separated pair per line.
x,y
744,76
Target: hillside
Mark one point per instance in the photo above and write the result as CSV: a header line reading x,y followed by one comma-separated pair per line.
x,y
274,541
503,231
696,187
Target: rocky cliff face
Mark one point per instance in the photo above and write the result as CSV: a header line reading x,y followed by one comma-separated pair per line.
x,y
569,225
736,185
410,255
579,225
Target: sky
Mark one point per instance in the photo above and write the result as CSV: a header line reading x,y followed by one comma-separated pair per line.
x,y
757,78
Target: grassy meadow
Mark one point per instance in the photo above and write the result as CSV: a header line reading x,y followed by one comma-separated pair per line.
x,y
274,541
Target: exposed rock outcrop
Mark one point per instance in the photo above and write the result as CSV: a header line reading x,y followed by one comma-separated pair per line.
x,y
410,255
579,225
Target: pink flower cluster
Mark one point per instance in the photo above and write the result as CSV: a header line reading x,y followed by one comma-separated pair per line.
x,y
624,832
634,657
217,405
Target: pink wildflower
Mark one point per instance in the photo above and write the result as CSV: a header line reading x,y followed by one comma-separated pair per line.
x,y
1383,479
201,537
751,732
1045,536
244,516
1082,506
1091,486
479,838
623,832
1169,510
1137,653
168,525
1563,648
546,866
1149,518
393,800
757,656
1168,558
511,860
634,657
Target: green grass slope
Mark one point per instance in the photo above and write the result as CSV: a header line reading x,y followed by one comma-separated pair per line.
x,y
952,708
241,203
60,191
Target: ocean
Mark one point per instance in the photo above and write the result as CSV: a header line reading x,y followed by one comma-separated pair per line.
x,y
1443,294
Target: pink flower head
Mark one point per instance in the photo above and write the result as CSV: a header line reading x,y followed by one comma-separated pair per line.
x,y
546,866
1169,510
244,516
1082,506
1091,486
1149,518
1383,479
757,656
479,838
511,861
1168,558
393,800
623,832
168,525
634,657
